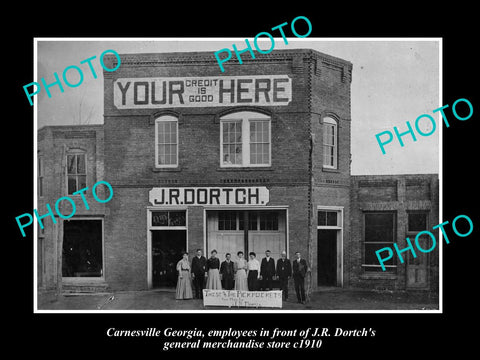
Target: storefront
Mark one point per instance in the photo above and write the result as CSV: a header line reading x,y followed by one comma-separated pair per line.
x,y
257,159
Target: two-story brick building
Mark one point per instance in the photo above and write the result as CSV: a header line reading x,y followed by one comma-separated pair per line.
x,y
255,158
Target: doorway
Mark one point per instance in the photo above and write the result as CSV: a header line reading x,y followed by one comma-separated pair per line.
x,y
167,248
327,257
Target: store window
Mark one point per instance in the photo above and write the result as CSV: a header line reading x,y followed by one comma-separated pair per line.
x,y
379,232
166,141
82,254
245,139
76,172
330,146
168,218
227,220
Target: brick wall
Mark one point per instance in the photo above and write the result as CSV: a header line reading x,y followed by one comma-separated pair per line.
x,y
54,143
399,194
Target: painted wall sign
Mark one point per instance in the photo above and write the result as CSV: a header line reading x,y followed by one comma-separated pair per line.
x,y
238,298
253,195
152,93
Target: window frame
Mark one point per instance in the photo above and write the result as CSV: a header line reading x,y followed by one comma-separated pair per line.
x,y
75,153
328,120
416,212
166,227
390,269
162,119
246,118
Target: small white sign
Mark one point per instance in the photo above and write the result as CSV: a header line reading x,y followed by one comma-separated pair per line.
x,y
238,298
248,196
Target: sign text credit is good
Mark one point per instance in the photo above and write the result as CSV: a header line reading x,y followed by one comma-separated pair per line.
x,y
147,93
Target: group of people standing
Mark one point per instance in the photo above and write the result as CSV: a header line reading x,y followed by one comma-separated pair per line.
x,y
241,274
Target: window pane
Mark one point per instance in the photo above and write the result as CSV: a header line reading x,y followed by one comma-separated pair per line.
x,y
80,164
371,257
322,218
225,132
241,222
332,218
82,182
268,220
253,153
379,227
159,218
72,184
253,131
417,221
227,220
176,218
161,132
252,220
71,165
173,159
238,154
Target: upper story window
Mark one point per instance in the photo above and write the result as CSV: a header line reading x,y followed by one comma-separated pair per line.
x,y
40,174
76,172
330,143
245,139
166,141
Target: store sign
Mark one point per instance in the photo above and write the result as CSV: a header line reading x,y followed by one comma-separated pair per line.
x,y
168,92
252,195
242,298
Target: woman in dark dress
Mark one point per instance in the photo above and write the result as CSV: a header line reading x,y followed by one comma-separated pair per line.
x,y
213,266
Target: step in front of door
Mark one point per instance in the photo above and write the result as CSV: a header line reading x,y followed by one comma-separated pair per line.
x,y
87,288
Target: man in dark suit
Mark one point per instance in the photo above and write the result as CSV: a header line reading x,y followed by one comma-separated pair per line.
x,y
199,268
284,271
227,273
267,271
300,269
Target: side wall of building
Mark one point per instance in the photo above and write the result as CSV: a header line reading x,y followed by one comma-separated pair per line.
x,y
399,194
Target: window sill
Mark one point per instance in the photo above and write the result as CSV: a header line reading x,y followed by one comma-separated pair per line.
x,y
373,275
330,170
76,280
155,169
246,168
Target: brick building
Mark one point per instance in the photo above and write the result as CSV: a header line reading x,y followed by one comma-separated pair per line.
x,y
255,158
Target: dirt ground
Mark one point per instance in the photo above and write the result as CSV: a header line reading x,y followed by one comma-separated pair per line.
x,y
327,299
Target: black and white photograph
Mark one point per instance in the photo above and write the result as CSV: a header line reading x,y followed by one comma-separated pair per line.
x,y
221,182
191,181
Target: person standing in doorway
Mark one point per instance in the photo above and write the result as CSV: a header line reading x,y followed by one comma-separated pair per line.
x,y
227,273
199,269
267,271
284,272
213,267
300,269
253,275
184,286
241,273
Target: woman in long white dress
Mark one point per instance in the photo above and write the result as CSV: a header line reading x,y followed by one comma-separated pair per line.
x,y
213,267
184,285
240,267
